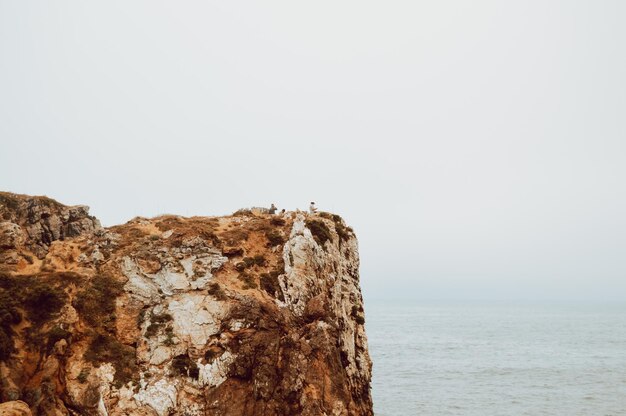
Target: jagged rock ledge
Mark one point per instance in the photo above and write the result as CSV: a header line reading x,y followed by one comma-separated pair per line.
x,y
248,314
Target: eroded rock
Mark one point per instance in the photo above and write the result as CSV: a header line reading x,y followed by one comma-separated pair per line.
x,y
14,408
245,315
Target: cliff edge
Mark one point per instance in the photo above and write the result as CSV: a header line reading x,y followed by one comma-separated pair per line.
x,y
249,314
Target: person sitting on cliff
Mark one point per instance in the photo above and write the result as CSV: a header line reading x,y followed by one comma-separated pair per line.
x,y
312,208
272,209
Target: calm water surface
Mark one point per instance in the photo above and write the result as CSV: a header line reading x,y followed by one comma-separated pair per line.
x,y
488,359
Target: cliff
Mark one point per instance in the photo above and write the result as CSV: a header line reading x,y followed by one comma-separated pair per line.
x,y
248,314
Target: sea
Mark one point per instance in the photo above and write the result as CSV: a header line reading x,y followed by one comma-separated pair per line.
x,y
482,359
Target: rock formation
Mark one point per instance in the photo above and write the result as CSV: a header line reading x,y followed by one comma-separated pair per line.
x,y
248,314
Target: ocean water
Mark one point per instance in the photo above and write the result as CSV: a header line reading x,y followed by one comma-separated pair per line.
x,y
494,359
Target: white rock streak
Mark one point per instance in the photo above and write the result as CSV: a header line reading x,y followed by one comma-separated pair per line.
x,y
171,278
161,396
332,270
196,317
215,373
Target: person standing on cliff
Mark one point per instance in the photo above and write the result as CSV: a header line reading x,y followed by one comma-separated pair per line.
x,y
312,208
272,209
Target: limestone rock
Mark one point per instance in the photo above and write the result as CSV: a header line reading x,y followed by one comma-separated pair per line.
x,y
242,315
10,235
44,220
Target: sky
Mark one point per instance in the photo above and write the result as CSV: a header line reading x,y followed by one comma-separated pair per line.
x,y
477,148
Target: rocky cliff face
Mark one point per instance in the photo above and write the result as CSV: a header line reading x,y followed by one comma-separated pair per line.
x,y
240,315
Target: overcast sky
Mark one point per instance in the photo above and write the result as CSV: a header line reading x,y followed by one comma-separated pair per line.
x,y
478,148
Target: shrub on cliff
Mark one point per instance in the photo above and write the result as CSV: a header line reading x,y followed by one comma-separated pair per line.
x,y
213,353
96,303
247,262
344,232
39,296
320,231
248,280
6,345
274,238
157,322
277,221
107,349
216,291
8,316
258,260
356,313
43,302
183,365
269,283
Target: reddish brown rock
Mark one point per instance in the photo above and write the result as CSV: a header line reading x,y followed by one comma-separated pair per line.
x,y
14,408
250,314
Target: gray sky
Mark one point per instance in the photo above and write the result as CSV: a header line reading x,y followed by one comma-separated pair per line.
x,y
477,148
